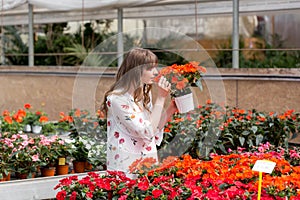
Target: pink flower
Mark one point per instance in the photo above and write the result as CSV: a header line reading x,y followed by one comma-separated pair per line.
x,y
35,158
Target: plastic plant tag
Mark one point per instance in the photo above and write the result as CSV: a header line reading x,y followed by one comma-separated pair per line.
x,y
261,166
61,161
265,166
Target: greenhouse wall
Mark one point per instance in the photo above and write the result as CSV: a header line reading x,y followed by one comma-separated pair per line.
x,y
56,89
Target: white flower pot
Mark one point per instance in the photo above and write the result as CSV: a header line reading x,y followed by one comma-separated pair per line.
x,y
36,129
27,128
185,103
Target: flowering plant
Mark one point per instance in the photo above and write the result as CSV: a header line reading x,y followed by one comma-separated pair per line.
x,y
25,154
12,121
89,136
182,76
6,149
34,118
79,149
222,177
51,148
65,123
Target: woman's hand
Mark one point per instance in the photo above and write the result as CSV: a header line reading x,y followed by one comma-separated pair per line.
x,y
164,87
172,107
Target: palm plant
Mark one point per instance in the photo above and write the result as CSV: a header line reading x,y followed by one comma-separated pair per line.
x,y
15,48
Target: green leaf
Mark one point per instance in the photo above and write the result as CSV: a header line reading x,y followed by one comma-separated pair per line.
x,y
245,133
254,129
223,186
221,146
259,139
242,141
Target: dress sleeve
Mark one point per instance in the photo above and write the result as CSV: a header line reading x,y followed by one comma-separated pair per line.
x,y
130,117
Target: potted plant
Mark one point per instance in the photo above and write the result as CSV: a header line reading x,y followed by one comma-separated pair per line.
x,y
65,124
64,151
34,121
38,124
6,149
53,152
92,132
49,128
12,121
79,152
25,156
181,77
97,154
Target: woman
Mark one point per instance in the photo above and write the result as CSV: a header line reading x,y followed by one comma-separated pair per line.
x,y
134,125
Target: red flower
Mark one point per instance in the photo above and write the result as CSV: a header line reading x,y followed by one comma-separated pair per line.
x,y
61,195
117,134
144,184
27,106
156,193
121,141
89,195
73,195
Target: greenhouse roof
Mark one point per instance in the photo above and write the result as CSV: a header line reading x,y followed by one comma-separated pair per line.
x,y
16,11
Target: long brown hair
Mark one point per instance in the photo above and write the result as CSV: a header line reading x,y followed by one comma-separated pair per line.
x,y
129,75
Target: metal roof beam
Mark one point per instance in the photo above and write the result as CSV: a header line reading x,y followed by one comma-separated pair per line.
x,y
204,8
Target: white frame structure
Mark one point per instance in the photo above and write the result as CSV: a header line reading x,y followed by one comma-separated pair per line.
x,y
134,9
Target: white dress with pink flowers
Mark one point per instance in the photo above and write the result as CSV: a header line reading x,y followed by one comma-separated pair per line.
x,y
130,135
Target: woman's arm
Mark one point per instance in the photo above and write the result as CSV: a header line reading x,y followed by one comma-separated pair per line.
x,y
157,115
167,114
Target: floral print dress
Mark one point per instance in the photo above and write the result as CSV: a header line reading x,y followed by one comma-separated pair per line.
x,y
130,135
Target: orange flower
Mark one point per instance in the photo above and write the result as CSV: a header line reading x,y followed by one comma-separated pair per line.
x,y
142,164
100,114
5,113
180,76
21,113
167,130
43,119
181,84
8,119
18,118
77,113
208,101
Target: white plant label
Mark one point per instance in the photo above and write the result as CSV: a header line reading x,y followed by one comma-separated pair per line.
x,y
265,166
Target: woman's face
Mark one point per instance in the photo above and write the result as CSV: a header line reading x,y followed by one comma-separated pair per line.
x,y
149,75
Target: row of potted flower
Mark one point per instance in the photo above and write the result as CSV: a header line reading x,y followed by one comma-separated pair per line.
x,y
26,118
221,177
213,127
23,154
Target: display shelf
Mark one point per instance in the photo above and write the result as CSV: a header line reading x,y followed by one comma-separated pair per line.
x,y
33,188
